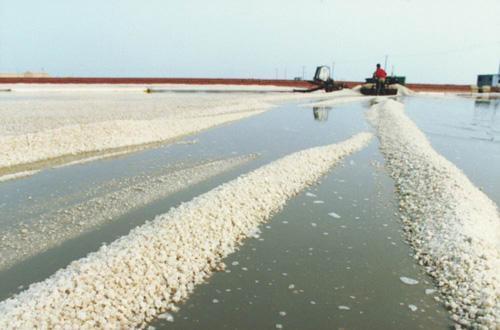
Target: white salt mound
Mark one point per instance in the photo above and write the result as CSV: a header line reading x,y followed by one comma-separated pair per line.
x,y
107,135
143,274
452,225
403,90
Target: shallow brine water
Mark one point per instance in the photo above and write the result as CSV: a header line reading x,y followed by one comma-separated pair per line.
x,y
466,132
333,258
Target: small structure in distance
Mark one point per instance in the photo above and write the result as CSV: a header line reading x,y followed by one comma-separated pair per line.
x,y
26,74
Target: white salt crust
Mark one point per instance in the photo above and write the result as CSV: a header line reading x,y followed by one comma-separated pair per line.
x,y
128,88
51,229
95,137
77,122
343,96
157,265
453,226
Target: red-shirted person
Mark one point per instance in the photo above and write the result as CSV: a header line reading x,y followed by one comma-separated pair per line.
x,y
379,75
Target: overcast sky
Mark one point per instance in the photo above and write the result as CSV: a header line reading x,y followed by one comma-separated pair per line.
x,y
448,41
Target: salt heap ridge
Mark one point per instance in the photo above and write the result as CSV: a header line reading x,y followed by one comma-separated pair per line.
x,y
452,225
157,265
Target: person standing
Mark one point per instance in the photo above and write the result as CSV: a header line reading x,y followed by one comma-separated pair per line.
x,y
379,75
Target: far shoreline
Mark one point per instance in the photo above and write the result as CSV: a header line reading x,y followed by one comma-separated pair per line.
x,y
419,87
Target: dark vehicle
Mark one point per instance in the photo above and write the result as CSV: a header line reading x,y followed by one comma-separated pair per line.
x,y
322,80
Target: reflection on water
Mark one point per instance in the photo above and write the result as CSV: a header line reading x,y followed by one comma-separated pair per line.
x,y
484,118
487,102
321,113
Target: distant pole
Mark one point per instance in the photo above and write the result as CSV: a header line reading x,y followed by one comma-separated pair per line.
x,y
385,65
276,73
303,72
392,70
285,72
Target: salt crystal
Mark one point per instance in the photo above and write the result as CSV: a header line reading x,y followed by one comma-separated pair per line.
x,y
167,317
334,215
407,280
413,308
430,291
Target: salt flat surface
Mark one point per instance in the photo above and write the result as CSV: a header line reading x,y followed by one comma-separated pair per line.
x,y
355,251
141,275
83,121
127,88
453,226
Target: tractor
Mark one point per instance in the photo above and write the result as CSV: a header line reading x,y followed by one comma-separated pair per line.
x,y
322,80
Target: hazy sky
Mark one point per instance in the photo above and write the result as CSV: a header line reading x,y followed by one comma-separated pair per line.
x,y
426,40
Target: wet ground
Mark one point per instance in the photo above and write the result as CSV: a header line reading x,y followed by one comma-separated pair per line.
x,y
332,258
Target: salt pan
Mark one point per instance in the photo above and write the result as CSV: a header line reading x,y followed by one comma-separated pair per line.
x,y
159,264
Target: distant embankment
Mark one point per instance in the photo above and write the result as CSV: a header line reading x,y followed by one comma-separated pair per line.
x,y
212,81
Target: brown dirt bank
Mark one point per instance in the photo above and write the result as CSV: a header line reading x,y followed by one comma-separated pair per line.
x,y
212,81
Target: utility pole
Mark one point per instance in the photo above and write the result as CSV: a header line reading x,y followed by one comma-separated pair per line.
x,y
385,65
303,72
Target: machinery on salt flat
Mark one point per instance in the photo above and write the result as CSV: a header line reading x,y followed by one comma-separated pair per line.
x,y
322,80
387,87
